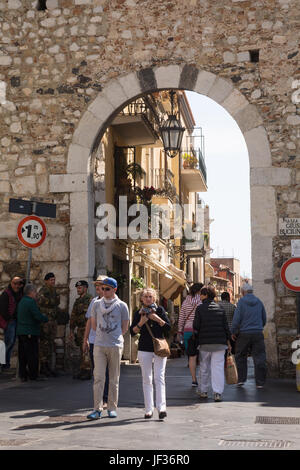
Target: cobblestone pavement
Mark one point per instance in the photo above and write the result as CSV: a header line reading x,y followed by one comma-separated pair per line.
x,y
52,415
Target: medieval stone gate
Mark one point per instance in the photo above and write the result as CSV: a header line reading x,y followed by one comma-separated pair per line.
x,y
67,70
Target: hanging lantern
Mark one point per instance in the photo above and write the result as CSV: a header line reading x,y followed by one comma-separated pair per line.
x,y
172,131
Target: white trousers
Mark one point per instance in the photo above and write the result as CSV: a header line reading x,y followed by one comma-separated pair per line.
x,y
212,370
145,360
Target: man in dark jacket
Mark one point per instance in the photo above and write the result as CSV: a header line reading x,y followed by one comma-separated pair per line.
x,y
9,300
28,332
247,329
210,324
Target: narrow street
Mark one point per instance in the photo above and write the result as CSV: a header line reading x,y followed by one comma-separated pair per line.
x,y
51,415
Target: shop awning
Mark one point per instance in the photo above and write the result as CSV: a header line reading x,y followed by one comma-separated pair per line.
x,y
170,279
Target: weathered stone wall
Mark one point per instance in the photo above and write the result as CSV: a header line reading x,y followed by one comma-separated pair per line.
x,y
54,65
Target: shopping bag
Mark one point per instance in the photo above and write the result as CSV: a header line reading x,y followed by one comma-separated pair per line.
x,y
231,370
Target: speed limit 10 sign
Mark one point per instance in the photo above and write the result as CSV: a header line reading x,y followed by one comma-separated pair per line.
x,y
32,231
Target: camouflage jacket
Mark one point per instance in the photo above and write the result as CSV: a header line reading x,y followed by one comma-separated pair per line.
x,y
79,310
48,301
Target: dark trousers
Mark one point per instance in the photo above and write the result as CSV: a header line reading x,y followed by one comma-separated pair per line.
x,y
28,354
105,393
256,344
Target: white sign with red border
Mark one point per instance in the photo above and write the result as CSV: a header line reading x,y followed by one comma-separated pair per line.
x,y
32,231
290,274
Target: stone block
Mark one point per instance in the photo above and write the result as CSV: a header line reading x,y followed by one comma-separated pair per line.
x,y
9,229
168,77
115,94
87,130
101,108
78,159
263,211
204,82
4,187
235,102
24,185
270,176
130,85
68,183
258,147
262,252
55,249
220,90
79,208
248,118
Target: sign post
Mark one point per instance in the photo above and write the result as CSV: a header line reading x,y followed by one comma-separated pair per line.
x,y
31,230
290,276
31,233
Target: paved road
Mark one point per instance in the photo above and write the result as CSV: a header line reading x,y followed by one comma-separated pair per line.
x,y
52,415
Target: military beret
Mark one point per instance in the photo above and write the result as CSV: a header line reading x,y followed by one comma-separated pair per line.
x,y
48,276
81,283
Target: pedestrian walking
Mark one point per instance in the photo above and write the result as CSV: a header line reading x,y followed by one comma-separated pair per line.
x,y
185,325
28,332
247,330
229,310
211,327
90,336
48,302
155,317
110,319
9,300
77,327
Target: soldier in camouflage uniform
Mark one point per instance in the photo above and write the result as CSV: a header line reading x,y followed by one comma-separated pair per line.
x,y
48,301
77,327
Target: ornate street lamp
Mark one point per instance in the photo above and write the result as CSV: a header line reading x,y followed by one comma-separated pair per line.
x,y
172,131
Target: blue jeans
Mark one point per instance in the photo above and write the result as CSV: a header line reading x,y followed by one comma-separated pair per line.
x,y
9,339
105,393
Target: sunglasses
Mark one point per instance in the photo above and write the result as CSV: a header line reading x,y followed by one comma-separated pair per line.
x,y
106,288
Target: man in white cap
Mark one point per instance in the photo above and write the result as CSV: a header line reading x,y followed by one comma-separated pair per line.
x,y
247,329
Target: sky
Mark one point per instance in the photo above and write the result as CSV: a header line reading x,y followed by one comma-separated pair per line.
x,y
228,194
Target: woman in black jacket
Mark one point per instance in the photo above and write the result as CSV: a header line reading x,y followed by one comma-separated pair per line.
x,y
157,319
211,327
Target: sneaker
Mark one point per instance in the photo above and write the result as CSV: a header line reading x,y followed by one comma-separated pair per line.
x,y
112,414
202,394
240,384
148,415
217,397
195,384
94,415
162,415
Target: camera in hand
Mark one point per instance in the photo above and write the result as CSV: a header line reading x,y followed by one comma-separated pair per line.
x,y
148,310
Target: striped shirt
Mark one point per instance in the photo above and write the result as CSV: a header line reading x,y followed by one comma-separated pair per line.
x,y
187,313
229,310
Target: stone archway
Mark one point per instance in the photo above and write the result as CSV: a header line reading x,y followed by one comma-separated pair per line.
x,y
263,176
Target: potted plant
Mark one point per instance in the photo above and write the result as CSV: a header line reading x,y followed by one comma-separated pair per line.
x,y
189,160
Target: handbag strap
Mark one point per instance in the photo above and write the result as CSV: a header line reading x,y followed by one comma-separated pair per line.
x,y
149,329
194,309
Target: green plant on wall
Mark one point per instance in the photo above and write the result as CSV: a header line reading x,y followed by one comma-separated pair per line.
x,y
138,282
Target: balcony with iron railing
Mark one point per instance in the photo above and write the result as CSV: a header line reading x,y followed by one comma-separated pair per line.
x,y
193,170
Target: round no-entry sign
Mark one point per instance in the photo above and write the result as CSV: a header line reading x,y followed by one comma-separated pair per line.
x,y
32,231
290,274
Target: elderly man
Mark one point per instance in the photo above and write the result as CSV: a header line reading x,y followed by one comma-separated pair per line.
x,y
9,300
247,329
28,332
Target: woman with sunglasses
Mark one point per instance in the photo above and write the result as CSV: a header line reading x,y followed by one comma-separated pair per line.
x,y
157,319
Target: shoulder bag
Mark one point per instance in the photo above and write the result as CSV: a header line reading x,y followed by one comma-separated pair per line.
x,y
160,345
